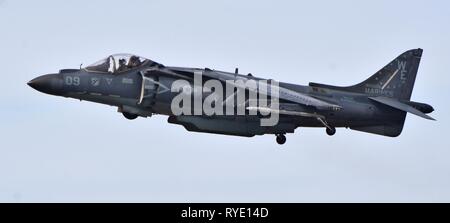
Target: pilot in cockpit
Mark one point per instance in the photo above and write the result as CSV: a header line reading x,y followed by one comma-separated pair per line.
x,y
134,62
122,65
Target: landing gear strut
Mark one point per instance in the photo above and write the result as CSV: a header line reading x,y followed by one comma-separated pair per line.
x,y
129,116
281,139
331,131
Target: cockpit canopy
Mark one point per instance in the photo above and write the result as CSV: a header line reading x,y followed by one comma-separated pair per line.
x,y
117,63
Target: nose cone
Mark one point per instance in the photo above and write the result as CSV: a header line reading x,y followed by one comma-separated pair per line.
x,y
49,84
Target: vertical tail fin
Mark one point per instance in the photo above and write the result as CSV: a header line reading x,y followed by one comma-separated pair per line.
x,y
395,80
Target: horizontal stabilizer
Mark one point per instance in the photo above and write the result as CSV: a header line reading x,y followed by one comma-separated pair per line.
x,y
400,106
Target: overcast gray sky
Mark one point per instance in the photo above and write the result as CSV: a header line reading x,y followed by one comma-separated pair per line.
x,y
60,149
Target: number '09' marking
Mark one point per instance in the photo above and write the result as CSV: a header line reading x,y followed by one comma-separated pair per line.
x,y
69,80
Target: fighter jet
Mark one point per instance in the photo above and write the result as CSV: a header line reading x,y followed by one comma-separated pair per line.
x,y
140,87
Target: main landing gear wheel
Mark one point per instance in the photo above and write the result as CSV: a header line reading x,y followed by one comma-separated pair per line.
x,y
331,131
281,139
129,116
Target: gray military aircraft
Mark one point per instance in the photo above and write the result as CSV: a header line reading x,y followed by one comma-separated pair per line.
x,y
142,87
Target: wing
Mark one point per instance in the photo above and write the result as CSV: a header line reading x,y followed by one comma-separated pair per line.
x,y
283,93
320,118
286,112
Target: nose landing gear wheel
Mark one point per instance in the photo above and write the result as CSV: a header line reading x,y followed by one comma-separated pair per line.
x,y
129,116
281,139
331,131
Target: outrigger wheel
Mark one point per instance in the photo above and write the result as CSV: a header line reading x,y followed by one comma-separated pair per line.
x,y
281,139
129,116
331,131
